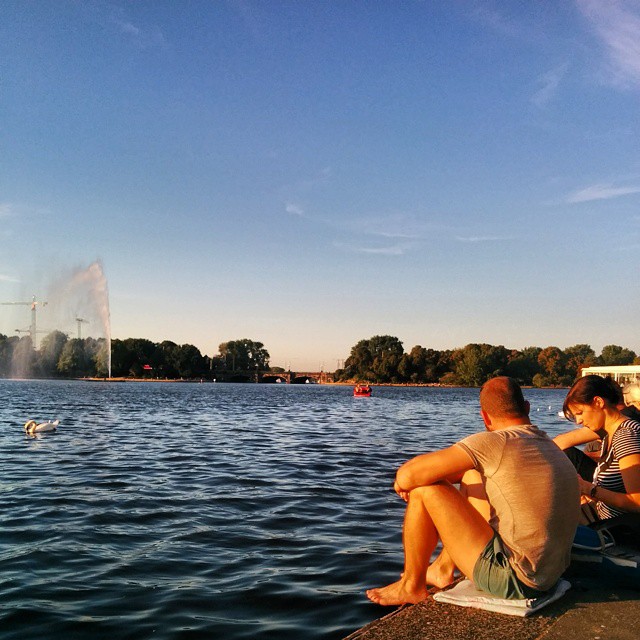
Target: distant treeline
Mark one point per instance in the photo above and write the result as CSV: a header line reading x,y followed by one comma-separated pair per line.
x,y
382,359
59,356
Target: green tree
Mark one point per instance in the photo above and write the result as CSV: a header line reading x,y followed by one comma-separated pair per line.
x,y
385,367
552,368
358,365
7,346
540,380
474,364
440,363
577,357
523,365
385,345
375,360
421,365
143,352
128,357
189,361
614,355
51,348
169,352
121,358
96,357
468,366
101,358
407,371
244,355
74,361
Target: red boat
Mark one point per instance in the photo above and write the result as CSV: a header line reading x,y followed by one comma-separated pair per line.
x,y
362,391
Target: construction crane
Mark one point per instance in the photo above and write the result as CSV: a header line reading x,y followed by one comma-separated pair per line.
x,y
32,328
80,321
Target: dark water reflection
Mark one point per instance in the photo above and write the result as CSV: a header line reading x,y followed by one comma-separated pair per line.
x,y
210,511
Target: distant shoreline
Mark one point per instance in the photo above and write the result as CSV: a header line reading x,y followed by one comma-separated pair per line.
x,y
323,384
437,385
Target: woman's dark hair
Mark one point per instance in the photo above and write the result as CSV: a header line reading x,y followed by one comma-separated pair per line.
x,y
587,388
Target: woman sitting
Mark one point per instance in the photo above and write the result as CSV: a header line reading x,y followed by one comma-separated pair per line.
x,y
612,484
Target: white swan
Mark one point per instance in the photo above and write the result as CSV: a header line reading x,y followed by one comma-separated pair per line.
x,y
31,426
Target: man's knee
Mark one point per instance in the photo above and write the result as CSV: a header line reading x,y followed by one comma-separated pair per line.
x,y
471,477
471,485
430,492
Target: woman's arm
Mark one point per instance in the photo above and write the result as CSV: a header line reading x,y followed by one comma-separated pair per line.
x,y
575,437
629,501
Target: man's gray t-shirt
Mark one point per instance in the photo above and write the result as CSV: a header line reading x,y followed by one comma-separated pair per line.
x,y
532,488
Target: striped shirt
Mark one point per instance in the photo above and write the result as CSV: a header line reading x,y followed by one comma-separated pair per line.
x,y
625,442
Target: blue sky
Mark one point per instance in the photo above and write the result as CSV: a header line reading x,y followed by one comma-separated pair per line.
x,y
310,174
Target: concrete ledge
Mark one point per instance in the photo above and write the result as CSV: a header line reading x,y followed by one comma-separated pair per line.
x,y
589,611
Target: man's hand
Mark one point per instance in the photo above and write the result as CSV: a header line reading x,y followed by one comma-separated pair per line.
x,y
403,494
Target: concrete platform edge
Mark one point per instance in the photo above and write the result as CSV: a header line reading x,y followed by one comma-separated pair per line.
x,y
589,610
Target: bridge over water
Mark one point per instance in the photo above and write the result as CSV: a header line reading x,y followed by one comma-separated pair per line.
x,y
271,377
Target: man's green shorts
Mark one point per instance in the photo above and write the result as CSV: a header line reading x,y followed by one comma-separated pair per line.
x,y
493,573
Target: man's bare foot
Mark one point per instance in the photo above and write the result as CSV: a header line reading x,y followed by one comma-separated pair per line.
x,y
396,594
439,575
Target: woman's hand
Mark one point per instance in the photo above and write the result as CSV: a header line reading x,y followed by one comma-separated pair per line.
x,y
585,487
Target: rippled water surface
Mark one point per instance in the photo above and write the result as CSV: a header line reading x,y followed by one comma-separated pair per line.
x,y
208,510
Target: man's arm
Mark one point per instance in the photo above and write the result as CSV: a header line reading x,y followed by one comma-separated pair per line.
x,y
428,468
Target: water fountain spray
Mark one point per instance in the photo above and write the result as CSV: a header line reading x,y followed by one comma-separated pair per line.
x,y
83,297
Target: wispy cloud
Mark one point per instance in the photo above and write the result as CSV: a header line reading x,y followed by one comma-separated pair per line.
x,y
548,85
617,23
294,209
116,22
394,225
483,238
304,185
128,28
495,20
354,229
6,278
600,192
394,250
375,233
319,179
384,234
142,37
22,210
399,235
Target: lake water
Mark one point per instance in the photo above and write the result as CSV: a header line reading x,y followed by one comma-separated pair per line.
x,y
210,510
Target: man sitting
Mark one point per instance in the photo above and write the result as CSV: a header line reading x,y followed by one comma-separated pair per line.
x,y
510,527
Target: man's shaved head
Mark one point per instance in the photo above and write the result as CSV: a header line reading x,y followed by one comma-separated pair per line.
x,y
502,398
